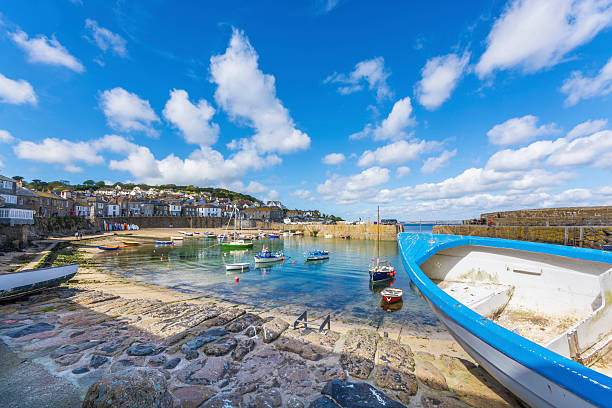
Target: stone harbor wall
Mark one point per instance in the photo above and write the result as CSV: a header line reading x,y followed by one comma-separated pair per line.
x,y
587,237
367,231
14,237
567,216
62,225
166,222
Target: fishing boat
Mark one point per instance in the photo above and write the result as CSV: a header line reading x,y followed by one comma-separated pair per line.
x,y
345,237
237,244
130,243
316,255
273,236
163,242
176,238
299,233
380,270
391,295
481,287
267,256
196,233
187,234
109,247
329,236
29,281
221,237
239,266
287,234
210,235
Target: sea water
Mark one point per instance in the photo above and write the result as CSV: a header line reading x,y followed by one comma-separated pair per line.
x,y
339,286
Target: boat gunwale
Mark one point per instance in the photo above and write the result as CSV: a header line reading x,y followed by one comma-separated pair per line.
x,y
580,380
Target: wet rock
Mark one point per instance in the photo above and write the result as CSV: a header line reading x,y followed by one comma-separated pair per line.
x,y
224,401
430,400
77,333
429,375
293,402
114,347
192,397
75,348
143,349
204,338
296,376
191,355
243,323
68,359
220,347
348,394
172,363
270,398
30,329
272,329
225,317
395,367
260,365
121,365
325,373
183,374
358,353
243,348
323,402
213,370
307,344
97,361
130,388
157,361
80,370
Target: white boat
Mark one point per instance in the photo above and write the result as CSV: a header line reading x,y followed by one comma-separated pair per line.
x,y
317,255
30,281
329,236
267,256
535,316
287,234
176,238
239,266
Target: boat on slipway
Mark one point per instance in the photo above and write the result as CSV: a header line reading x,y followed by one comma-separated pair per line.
x,y
267,256
535,316
21,283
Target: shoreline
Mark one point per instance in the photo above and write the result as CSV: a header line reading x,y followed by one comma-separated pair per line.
x,y
94,298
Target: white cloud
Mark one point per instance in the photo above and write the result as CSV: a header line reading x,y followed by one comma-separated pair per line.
x,y
272,195
303,194
255,188
402,171
535,34
370,71
439,78
586,128
16,92
358,187
192,120
519,130
524,158
434,163
334,158
396,153
325,6
106,39
249,96
579,87
46,51
394,126
6,137
59,151
125,111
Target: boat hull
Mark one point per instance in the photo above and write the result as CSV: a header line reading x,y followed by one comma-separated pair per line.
x,y
379,277
536,375
236,246
17,284
269,260
317,258
108,248
237,267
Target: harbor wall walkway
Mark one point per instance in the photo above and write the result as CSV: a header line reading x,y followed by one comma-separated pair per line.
x,y
564,216
364,231
579,236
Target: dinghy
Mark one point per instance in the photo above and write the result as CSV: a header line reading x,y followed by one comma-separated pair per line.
x,y
177,238
533,315
391,295
316,255
109,247
130,243
267,256
30,281
163,242
237,244
239,266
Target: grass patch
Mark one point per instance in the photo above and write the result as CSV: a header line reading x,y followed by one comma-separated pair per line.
x,y
49,309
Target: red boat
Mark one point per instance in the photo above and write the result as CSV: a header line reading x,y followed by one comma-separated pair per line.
x,y
391,295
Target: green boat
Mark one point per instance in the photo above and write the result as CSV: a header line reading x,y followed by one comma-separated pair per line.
x,y
210,236
237,244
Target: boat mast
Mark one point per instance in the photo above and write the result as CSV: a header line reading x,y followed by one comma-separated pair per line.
x,y
378,238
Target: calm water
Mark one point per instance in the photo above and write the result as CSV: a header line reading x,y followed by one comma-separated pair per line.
x,y
339,286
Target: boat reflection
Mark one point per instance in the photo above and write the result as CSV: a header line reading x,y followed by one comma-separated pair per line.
x,y
377,287
390,308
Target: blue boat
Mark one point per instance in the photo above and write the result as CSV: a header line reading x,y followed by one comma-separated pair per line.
x,y
163,242
273,236
267,256
316,255
479,279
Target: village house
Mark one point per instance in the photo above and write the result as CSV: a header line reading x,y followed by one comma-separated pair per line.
x,y
263,214
52,205
209,210
11,212
113,210
174,209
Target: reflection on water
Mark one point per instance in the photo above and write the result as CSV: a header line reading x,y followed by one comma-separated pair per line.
x,y
339,285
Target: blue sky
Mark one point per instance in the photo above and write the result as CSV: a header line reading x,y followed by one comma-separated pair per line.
x,y
434,110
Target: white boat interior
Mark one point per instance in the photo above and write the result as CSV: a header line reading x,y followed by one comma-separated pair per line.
x,y
561,303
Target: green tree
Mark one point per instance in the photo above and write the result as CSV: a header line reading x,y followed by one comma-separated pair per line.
x,y
89,182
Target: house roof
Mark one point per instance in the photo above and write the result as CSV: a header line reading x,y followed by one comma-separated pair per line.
x,y
22,191
6,178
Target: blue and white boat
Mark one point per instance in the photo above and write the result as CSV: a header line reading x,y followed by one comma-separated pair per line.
x,y
267,256
316,255
22,283
508,304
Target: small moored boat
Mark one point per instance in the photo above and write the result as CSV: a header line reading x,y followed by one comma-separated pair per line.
x,y
328,236
237,244
391,295
345,237
109,247
176,238
380,271
239,266
163,242
317,255
267,256
273,236
130,243
30,281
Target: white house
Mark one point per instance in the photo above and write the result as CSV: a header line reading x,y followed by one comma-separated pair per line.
x,y
175,210
208,210
112,210
10,213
